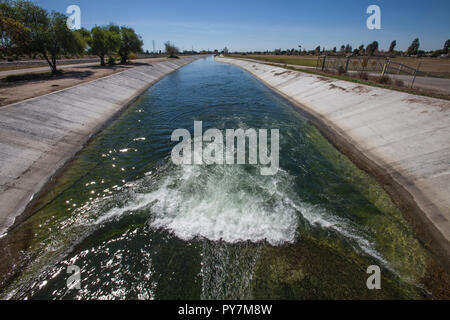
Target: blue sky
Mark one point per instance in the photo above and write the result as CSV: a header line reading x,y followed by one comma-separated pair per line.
x,y
260,25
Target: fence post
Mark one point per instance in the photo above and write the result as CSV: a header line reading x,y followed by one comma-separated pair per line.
x,y
415,74
346,64
385,67
323,62
365,62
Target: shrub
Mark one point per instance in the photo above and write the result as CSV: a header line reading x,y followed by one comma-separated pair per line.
x,y
341,70
363,75
171,50
132,56
383,80
111,61
399,83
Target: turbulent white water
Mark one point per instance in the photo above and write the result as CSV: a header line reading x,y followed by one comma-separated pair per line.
x,y
232,204
218,203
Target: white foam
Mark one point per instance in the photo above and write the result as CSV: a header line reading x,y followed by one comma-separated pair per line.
x,y
220,217
319,217
230,204
218,209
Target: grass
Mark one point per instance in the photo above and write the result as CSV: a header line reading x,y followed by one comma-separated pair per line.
x,y
374,83
29,76
8,68
428,66
307,61
359,81
433,66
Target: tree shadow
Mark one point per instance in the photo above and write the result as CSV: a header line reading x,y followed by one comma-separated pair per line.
x,y
116,66
31,77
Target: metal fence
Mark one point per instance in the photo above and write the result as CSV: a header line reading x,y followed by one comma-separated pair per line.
x,y
377,65
369,64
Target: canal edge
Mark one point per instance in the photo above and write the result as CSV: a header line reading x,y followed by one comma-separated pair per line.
x,y
29,204
427,232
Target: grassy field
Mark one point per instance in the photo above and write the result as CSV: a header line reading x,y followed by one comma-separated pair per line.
x,y
371,82
433,66
308,61
7,68
437,67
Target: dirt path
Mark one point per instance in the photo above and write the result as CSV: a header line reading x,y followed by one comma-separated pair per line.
x,y
73,75
6,73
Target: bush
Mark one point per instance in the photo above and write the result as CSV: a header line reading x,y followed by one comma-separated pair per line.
x,y
132,56
111,61
383,80
399,83
341,71
171,50
363,75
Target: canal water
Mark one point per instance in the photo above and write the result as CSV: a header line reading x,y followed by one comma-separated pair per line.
x,y
139,227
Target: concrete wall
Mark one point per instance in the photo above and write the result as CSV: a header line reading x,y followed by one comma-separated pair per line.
x,y
406,135
40,135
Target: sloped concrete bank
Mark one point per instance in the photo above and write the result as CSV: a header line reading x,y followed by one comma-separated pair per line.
x,y
401,139
40,135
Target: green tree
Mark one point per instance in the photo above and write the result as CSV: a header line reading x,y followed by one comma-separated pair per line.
x,y
14,35
35,31
171,49
392,46
361,50
446,46
55,39
83,36
103,41
372,48
348,48
414,47
129,42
